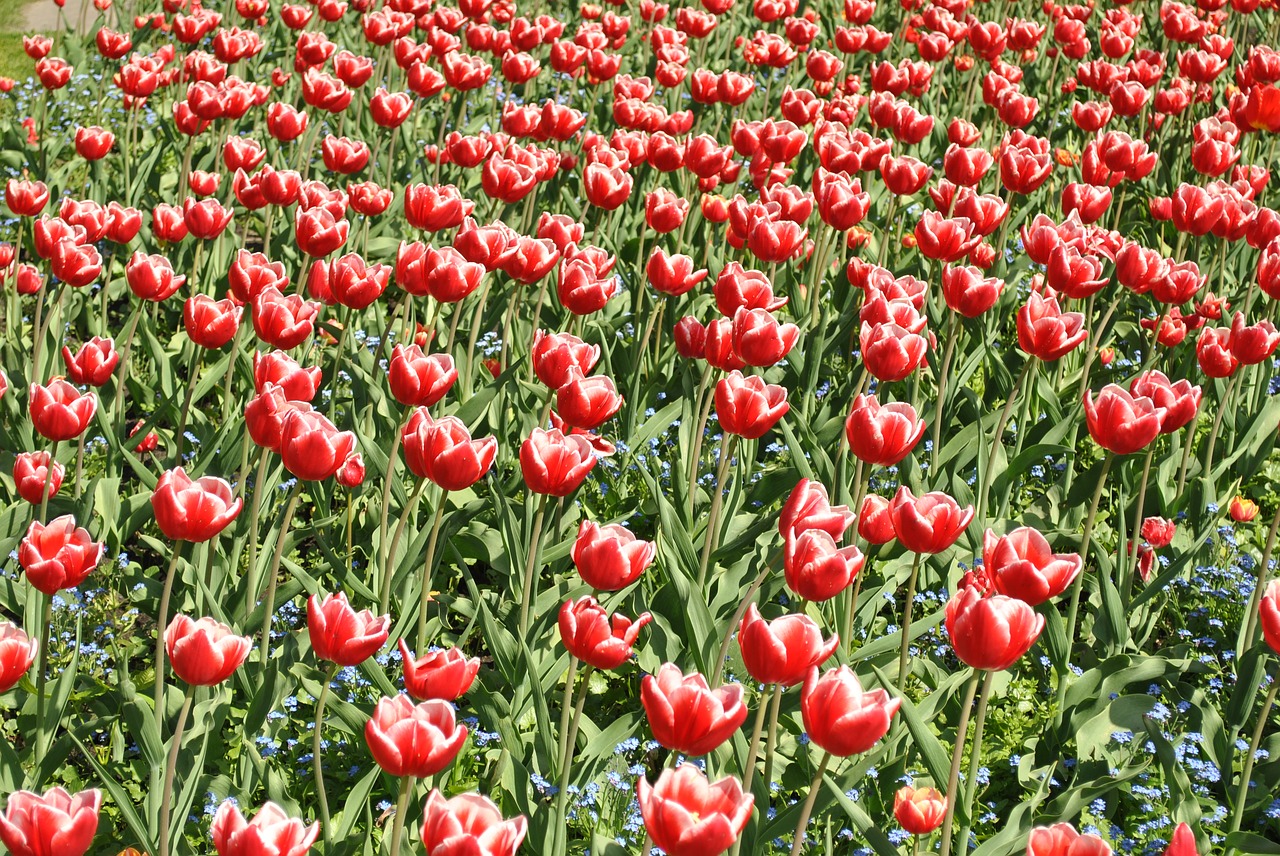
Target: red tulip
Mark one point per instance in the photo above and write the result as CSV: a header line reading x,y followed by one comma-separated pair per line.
x,y
58,556
341,635
318,231
610,558
758,338
747,406
891,352
152,277
26,198
271,832
1121,422
444,674
1046,332
882,434
1061,839
686,715
59,411
204,653
840,716
355,284
816,567
17,653
875,522
1270,615
1180,401
930,523
1022,565
589,633
919,810
807,507
93,364
352,472
418,380
311,447
968,292
469,824
205,219
672,275
55,824
555,355
686,815
30,472
414,740
283,322
555,464
783,650
210,323
1251,344
442,451
196,510
990,631
1158,532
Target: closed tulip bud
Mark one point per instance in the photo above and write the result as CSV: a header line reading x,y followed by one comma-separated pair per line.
x,y
58,556
930,523
1022,565
442,674
686,815
30,472
58,411
783,650
840,716
875,523
611,557
1242,510
1214,354
1158,532
442,451
205,219
283,322
1061,839
196,511
919,810
890,351
747,406
686,715
352,472
419,380
311,447
271,832
990,632
808,507
556,355
56,823
554,464
882,434
816,568
589,633
414,740
17,653
204,653
93,364
1121,422
341,635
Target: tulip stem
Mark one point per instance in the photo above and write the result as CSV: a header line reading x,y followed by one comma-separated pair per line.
x,y
975,759
704,413
1078,585
1130,561
325,825
170,769
985,487
1251,612
162,621
1217,420
1242,794
273,575
340,342
797,841
227,378
727,445
42,677
904,654
530,577
255,508
1187,446
48,480
388,573
425,597
771,740
953,332
566,708
402,811
193,370
957,756
79,464
568,739
757,730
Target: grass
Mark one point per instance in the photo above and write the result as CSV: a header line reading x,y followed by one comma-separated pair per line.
x,y
13,62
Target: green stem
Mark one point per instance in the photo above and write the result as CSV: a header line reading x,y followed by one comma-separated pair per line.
x,y
568,739
1217,420
957,757
797,842
48,481
771,740
402,812
316,766
904,654
1187,445
952,333
273,575
162,622
985,488
1130,562
171,769
42,677
427,568
1246,773
705,401
727,640
727,443
757,729
530,577
975,760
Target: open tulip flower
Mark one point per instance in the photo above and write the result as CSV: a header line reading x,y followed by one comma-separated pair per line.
x,y
606,382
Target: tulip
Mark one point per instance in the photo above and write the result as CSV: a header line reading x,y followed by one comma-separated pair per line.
x,y
1023,566
841,717
1120,422
1061,839
469,823
1180,401
990,632
672,275
610,558
271,832
890,351
442,451
1158,532
418,380
686,815
1046,332
55,824
875,522
59,555
414,740
783,650
196,511
882,434
554,464
210,323
919,810
311,447
930,523
747,406
589,633
1242,510
205,652
686,715
351,474
341,635
807,507
758,338
31,474
93,364
444,674
59,411
587,402
1270,615
283,322
152,277
17,653
816,568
